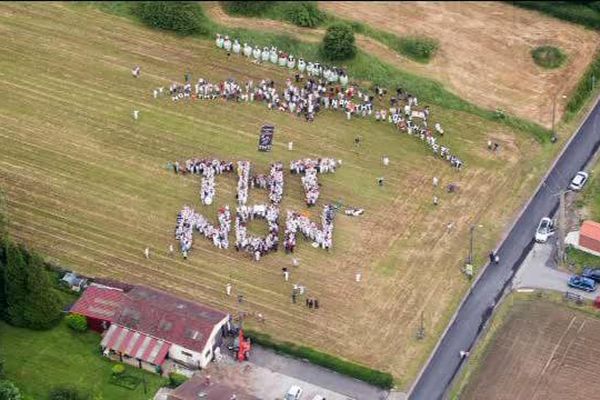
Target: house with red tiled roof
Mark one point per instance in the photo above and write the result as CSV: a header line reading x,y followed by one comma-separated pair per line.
x,y
144,326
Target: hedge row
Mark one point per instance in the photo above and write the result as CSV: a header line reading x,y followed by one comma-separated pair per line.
x,y
584,13
182,17
301,13
585,88
374,377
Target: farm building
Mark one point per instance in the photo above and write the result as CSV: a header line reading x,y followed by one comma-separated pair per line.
x,y
589,235
144,327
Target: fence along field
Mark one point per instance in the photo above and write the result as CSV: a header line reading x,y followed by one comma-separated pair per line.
x,y
89,187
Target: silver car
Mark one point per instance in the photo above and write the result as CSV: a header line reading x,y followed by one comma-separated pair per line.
x,y
579,180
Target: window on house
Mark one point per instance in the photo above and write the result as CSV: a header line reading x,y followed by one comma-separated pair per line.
x,y
207,353
185,353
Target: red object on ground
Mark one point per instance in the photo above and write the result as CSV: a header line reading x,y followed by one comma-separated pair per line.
x,y
589,235
244,347
597,302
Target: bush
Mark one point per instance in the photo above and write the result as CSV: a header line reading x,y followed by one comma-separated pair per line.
x,y
77,322
548,56
185,18
374,377
420,49
303,13
118,369
248,8
8,391
176,379
66,393
339,43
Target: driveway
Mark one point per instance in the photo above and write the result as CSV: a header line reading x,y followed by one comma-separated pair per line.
x,y
539,271
316,375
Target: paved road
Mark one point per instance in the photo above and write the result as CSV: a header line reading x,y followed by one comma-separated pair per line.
x,y
475,309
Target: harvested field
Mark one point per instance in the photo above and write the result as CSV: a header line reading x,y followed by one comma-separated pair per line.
x,y
484,53
543,351
89,186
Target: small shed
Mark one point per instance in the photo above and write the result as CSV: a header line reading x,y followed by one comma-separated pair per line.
x,y
75,283
589,235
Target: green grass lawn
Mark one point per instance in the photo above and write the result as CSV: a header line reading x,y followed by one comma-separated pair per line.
x,y
581,259
37,361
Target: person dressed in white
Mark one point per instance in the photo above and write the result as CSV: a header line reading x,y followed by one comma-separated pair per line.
x,y
228,289
147,252
136,114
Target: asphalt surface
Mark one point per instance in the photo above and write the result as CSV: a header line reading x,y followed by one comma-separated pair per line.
x,y
539,271
325,378
476,308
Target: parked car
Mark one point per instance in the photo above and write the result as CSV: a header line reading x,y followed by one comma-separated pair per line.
x,y
592,273
293,393
579,180
582,283
318,397
545,230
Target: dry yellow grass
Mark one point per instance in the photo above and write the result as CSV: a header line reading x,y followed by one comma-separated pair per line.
x,y
88,186
484,53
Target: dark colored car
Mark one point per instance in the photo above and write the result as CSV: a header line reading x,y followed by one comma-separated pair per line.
x,y
581,283
592,273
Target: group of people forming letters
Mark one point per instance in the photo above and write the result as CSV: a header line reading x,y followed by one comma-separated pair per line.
x,y
189,220
311,97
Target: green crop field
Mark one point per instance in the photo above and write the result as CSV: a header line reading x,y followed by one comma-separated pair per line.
x,y
88,186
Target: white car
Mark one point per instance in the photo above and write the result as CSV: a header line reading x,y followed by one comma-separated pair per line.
x,y
293,393
579,180
545,230
318,397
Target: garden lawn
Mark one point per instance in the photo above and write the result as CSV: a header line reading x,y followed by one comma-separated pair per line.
x,y
37,361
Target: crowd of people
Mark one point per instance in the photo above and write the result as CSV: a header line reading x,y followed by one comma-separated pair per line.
x,y
310,97
321,237
311,168
188,220
331,74
257,246
243,171
208,168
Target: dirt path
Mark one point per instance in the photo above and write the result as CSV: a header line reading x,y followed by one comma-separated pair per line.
x,y
485,47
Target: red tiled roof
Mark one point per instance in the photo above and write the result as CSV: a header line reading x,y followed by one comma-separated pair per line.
x,y
99,303
135,344
167,317
590,229
151,312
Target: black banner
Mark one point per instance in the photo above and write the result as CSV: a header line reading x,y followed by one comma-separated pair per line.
x,y
265,142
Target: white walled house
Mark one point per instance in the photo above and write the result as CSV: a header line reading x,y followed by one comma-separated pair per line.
x,y
147,327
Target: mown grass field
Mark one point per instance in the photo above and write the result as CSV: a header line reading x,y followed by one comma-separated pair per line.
x,y
89,187
37,361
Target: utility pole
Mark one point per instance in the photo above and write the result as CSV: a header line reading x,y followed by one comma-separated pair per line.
x,y
471,244
421,331
561,225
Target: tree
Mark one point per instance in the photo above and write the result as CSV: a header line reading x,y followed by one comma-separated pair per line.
x,y
183,17
77,322
8,391
27,291
339,43
15,289
304,13
42,309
